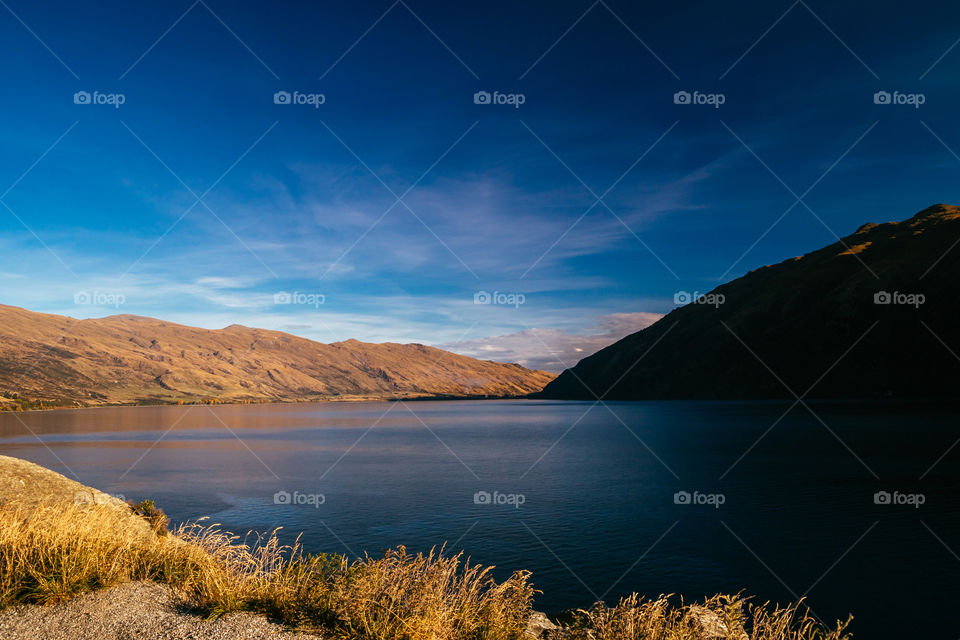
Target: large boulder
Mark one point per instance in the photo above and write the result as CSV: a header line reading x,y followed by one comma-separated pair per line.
x,y
29,483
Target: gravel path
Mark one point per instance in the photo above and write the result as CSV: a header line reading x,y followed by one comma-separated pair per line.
x,y
133,611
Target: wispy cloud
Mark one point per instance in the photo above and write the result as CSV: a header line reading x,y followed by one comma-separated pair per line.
x,y
553,349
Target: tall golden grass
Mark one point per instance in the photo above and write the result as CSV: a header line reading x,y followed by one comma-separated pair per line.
x,y
51,552
722,616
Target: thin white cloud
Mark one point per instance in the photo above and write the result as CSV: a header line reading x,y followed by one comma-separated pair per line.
x,y
554,349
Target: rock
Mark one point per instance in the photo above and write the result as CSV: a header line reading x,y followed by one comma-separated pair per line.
x,y
711,626
539,625
30,483
32,486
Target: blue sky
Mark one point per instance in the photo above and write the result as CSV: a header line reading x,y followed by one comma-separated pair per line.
x,y
398,199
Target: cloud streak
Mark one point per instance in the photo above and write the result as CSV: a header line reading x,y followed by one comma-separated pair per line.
x,y
554,349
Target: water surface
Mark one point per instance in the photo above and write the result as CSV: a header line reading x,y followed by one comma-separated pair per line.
x,y
587,493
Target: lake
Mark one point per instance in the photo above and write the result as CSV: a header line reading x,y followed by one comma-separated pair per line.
x,y
853,506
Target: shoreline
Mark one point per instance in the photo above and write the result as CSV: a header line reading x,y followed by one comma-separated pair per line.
x,y
906,402
332,399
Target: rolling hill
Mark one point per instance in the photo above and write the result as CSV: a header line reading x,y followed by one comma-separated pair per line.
x,y
126,359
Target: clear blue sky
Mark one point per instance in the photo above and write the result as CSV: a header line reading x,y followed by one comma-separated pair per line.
x,y
302,198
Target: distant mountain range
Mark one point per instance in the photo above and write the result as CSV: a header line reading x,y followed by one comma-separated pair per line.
x,y
126,359
874,315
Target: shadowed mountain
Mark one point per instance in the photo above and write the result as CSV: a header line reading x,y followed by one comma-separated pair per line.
x,y
132,359
873,315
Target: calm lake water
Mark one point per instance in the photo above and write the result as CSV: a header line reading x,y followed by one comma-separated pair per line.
x,y
584,496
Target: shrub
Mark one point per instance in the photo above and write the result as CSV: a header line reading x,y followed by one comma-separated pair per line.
x,y
154,516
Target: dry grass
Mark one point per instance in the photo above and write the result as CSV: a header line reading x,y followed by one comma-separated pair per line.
x,y
733,617
52,552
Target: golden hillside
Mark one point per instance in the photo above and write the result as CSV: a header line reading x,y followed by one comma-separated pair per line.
x,y
130,359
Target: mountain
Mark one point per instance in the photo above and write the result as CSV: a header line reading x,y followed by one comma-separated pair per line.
x,y
874,315
133,360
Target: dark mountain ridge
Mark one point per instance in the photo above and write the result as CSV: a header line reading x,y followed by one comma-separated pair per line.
x,y
874,315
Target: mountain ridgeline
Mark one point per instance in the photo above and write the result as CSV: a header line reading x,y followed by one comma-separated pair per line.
x,y
874,315
124,359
